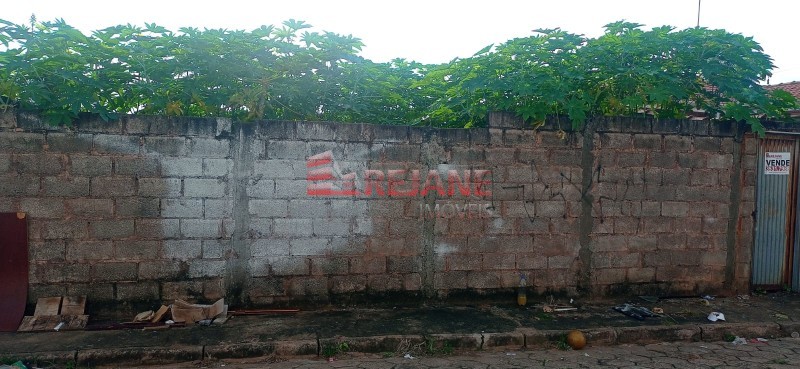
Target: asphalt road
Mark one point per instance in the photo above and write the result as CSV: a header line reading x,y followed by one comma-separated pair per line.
x,y
779,353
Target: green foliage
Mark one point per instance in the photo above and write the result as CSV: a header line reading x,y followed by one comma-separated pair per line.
x,y
335,348
561,343
435,347
292,73
627,71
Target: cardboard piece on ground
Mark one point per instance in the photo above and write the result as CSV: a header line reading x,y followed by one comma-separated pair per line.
x,y
223,317
73,305
160,314
47,306
144,316
183,311
50,322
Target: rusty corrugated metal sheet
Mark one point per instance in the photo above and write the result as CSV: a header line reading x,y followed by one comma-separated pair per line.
x,y
775,201
13,270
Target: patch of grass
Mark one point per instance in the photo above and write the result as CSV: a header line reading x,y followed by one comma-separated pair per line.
x,y
332,349
727,337
433,347
447,348
543,316
562,344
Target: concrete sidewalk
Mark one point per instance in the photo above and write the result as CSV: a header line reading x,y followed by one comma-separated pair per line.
x,y
438,327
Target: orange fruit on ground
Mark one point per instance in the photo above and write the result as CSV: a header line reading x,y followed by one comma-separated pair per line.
x,y
576,340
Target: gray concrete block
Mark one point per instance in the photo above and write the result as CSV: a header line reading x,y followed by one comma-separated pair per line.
x,y
207,268
331,227
283,169
35,291
66,229
391,133
5,163
183,249
277,129
51,251
137,166
309,246
137,250
116,144
16,185
217,167
307,208
66,186
69,143
217,208
260,227
291,189
138,291
112,186
215,249
261,188
202,187
94,123
162,269
17,142
228,228
224,126
92,291
271,208
181,208
265,247
158,228
38,164
363,226
347,208
285,266
259,267
137,207
69,272
90,208
89,250
330,266
254,148
296,150
293,227
350,245
106,229
321,131
166,146
137,125
89,166
209,148
42,208
113,271
203,127
182,167
201,228
159,187
8,205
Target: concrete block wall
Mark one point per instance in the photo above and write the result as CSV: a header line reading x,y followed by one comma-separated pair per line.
x,y
155,208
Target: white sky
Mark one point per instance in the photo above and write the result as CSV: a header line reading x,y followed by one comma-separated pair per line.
x,y
436,31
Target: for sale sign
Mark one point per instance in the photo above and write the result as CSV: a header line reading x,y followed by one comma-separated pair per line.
x,y
777,163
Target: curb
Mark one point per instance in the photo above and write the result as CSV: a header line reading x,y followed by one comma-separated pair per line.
x,y
521,338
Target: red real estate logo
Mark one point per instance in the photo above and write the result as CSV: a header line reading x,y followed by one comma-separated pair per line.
x,y
323,180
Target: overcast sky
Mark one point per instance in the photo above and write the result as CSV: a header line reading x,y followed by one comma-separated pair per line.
x,y
436,31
